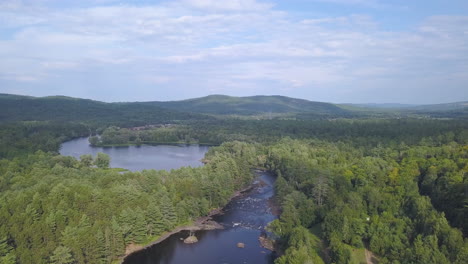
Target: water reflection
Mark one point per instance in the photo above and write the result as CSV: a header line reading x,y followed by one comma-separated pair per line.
x,y
135,158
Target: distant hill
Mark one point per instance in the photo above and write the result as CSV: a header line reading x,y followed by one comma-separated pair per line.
x,y
380,106
447,110
428,107
62,108
254,105
441,107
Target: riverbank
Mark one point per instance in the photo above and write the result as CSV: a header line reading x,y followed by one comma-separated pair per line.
x,y
154,143
201,223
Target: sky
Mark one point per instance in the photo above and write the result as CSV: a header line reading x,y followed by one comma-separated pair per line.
x,y
340,51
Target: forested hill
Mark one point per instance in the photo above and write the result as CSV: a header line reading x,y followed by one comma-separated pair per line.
x,y
426,107
457,110
254,105
61,108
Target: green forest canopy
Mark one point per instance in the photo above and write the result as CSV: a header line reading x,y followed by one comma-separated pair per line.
x,y
395,186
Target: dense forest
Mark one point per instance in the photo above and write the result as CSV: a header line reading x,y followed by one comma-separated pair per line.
x,y
396,187
371,200
56,209
93,113
215,107
357,132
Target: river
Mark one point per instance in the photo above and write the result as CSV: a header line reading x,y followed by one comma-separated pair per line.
x,y
244,221
135,158
244,218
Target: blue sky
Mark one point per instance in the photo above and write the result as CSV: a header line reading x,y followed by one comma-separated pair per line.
x,y
339,51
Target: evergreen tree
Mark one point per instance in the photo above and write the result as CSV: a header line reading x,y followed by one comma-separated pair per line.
x,y
168,212
117,243
100,254
62,255
139,227
154,219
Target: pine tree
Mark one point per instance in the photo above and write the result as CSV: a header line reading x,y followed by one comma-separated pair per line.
x,y
127,222
62,255
7,255
117,244
100,248
154,220
168,212
139,228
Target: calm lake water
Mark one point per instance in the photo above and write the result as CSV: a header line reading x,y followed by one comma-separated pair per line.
x,y
250,212
134,158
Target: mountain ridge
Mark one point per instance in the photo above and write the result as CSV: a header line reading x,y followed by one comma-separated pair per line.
x,y
65,108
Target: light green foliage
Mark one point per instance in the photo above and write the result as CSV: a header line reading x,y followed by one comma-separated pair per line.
x,y
302,248
54,207
354,178
86,160
102,160
361,198
61,255
7,255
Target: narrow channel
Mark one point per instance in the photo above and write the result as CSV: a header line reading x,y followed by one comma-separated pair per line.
x,y
244,220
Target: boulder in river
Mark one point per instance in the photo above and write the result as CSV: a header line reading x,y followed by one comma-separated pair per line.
x,y
190,240
240,245
267,243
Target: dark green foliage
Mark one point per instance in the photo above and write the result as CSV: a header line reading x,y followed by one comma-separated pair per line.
x,y
65,109
52,208
394,186
17,139
373,198
93,141
254,105
366,134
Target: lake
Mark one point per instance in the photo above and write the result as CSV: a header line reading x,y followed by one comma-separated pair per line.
x,y
244,220
135,158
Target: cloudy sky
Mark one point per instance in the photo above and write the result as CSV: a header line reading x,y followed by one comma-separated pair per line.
x,y
356,51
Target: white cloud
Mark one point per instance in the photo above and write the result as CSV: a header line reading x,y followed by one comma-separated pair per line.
x,y
231,5
244,46
369,3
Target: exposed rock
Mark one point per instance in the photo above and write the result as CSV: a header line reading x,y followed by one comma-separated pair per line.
x,y
191,240
210,225
240,245
267,243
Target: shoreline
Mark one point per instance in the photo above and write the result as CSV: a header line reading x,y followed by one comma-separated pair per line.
x,y
201,223
154,144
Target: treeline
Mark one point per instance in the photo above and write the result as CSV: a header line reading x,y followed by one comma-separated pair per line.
x,y
360,133
14,108
372,200
56,209
22,138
